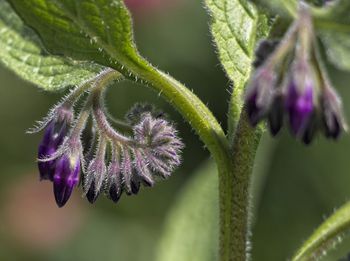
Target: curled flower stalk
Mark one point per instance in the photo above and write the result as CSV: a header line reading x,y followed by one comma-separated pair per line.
x,y
117,163
152,152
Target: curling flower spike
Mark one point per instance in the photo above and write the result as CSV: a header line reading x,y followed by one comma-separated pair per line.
x,y
121,163
151,152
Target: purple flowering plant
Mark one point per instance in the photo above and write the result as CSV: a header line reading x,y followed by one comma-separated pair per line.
x,y
275,52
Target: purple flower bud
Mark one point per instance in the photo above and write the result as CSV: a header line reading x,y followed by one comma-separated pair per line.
x,y
263,51
135,186
311,129
128,173
300,105
66,176
332,114
94,178
276,115
114,187
54,135
142,169
260,94
161,148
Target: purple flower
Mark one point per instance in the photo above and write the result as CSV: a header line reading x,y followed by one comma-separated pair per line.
x,y
276,115
131,183
311,129
94,178
54,135
332,114
114,186
66,176
260,94
300,105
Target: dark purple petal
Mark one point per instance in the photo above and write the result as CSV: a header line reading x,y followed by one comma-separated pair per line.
x,y
255,114
114,187
275,118
47,168
332,127
260,94
47,147
300,106
114,192
135,186
54,135
332,114
93,193
311,129
263,51
94,178
66,177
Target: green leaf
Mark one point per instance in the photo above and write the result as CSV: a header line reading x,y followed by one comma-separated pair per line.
x,y
192,228
326,236
333,24
22,52
94,30
336,13
284,8
337,47
236,26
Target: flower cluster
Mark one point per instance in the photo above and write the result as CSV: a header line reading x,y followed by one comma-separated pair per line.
x,y
291,84
114,163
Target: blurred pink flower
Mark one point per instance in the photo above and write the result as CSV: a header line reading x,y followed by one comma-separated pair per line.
x,y
34,221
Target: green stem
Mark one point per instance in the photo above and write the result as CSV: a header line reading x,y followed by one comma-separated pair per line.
x,y
190,107
234,163
234,195
326,236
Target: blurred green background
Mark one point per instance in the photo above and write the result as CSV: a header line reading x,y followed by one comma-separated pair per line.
x,y
298,186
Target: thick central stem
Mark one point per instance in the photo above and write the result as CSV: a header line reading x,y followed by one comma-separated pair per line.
x,y
235,162
234,181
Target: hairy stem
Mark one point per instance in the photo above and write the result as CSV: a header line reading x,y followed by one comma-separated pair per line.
x,y
191,108
234,163
234,195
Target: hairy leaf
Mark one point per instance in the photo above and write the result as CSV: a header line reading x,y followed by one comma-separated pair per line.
x,y
326,236
192,228
22,52
237,26
94,30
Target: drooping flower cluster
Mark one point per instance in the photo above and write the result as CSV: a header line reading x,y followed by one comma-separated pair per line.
x,y
115,163
291,84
